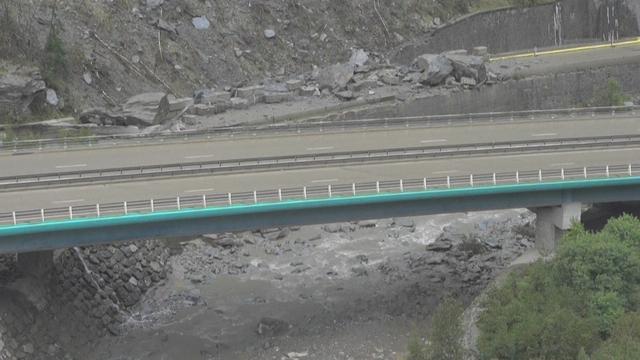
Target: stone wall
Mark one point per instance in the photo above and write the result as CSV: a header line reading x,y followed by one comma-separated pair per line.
x,y
516,29
100,283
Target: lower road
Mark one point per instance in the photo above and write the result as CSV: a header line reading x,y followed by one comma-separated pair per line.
x,y
140,190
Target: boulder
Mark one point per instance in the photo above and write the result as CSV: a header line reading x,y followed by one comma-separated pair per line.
x,y
359,58
390,77
170,107
435,68
139,110
307,91
254,94
239,103
203,110
335,77
52,98
276,97
269,33
294,84
345,95
272,327
200,22
21,89
468,66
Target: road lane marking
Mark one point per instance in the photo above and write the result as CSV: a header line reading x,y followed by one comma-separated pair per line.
x,y
563,164
70,166
199,190
320,148
433,141
68,201
445,172
324,181
544,134
199,156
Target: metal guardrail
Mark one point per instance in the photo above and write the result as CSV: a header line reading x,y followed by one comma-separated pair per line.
x,y
311,127
311,160
314,192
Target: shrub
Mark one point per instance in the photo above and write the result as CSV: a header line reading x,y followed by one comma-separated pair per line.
x,y
446,335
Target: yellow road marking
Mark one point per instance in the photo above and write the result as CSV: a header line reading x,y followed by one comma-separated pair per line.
x,y
568,50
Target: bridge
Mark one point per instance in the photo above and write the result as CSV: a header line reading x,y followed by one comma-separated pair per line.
x,y
73,192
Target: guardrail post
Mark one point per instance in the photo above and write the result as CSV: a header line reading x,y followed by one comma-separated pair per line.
x,y
449,182
204,201
42,215
471,180
494,179
98,210
280,194
178,202
255,196
585,172
229,197
15,222
126,209
329,189
353,187
540,175
630,171
378,187
562,173
607,170
70,213
304,191
424,183
153,208
517,177
401,186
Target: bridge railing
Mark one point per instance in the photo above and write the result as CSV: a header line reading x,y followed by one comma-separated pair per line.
x,y
315,192
314,127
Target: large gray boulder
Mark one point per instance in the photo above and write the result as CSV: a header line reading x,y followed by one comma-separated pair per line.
x,y
469,66
435,68
335,77
21,89
140,110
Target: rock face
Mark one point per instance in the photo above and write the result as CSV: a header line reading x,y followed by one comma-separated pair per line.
x,y
435,68
335,77
21,90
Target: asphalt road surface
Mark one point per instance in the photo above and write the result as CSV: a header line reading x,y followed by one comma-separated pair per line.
x,y
125,156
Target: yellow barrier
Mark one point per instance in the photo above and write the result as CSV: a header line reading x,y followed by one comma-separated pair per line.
x,y
568,50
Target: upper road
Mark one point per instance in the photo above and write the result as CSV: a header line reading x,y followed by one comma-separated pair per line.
x,y
281,145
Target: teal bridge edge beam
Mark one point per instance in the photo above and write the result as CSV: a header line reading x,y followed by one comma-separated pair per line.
x,y
88,231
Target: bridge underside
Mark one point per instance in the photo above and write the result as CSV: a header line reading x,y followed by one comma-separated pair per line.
x,y
326,211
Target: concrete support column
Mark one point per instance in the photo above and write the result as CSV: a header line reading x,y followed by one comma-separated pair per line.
x,y
552,222
36,264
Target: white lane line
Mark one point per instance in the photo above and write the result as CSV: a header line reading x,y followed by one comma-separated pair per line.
x,y
324,181
199,190
433,141
445,172
68,201
199,156
563,164
320,148
544,134
70,166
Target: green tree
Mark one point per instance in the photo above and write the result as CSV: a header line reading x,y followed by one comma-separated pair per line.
x,y
574,305
54,61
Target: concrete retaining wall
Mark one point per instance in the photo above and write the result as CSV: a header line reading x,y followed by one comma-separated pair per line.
x,y
516,29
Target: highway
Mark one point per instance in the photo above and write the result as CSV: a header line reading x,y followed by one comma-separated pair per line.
x,y
282,145
343,171
189,186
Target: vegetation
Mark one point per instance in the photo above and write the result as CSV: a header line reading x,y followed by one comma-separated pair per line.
x,y
446,335
583,304
54,61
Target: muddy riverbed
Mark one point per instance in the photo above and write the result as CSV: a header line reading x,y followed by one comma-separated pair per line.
x,y
339,291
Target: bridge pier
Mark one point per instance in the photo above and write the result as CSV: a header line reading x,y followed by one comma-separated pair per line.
x,y
37,264
553,222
